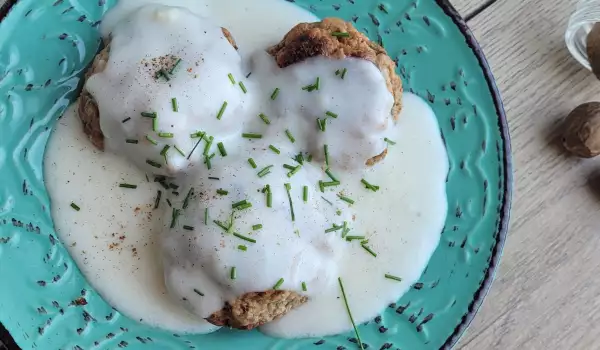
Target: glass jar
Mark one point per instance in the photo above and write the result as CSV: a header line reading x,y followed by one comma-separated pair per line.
x,y
586,15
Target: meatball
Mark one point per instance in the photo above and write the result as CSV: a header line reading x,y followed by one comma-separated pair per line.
x,y
254,309
87,108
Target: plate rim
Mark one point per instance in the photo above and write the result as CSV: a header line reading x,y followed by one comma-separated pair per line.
x,y
479,296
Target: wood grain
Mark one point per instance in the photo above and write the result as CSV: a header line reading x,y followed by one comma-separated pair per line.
x,y
547,292
466,8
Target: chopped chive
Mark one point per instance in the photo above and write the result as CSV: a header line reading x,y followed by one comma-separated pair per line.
x,y
249,135
208,145
278,284
309,158
331,176
222,192
153,163
245,238
148,114
198,292
165,150
155,124
318,83
162,73
331,114
390,142
157,200
125,185
252,163
326,200
174,217
222,110
340,34
264,118
179,150
290,136
151,140
159,178
126,120
169,203
321,187
294,171
344,73
131,141
266,170
369,186
206,216
175,66
289,167
166,135
350,313
322,124
364,242
352,238
337,72
346,199
75,206
232,274
392,277
299,158
198,134
334,228
242,247
345,229
213,178
326,151
288,187
164,185
243,87
304,289
331,183
305,193
274,149
188,228
193,149
174,104
239,204
269,196
274,94
369,250
257,227
222,149
188,196
231,79
221,225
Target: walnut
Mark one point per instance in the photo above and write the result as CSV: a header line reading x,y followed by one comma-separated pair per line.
x,y
593,49
582,130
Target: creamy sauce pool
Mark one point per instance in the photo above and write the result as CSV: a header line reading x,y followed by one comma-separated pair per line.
x,y
402,221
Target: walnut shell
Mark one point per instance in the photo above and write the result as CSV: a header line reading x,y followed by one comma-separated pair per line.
x,y
593,49
582,130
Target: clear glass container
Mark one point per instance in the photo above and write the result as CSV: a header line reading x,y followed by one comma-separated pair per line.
x,y
586,15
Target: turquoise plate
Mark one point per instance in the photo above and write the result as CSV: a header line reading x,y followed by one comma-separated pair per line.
x,y
46,303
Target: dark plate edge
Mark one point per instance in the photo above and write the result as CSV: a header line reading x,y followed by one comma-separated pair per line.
x,y
481,293
7,341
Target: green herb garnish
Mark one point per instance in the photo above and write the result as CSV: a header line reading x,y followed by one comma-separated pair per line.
x,y
179,150
330,183
326,200
289,167
345,229
172,70
352,238
250,135
188,228
151,140
392,277
288,188
346,199
222,192
274,149
205,216
165,149
257,227
222,149
304,289
369,186
326,151
290,136
252,163
243,87
148,114
343,73
157,200
369,250
75,206
322,124
166,135
155,124
314,86
267,190
231,79
341,34
174,104
221,225
265,171
195,146
305,193
334,228
294,171
131,141
350,313
331,176
198,292
232,274
274,94
278,284
331,114
174,217
222,110
242,247
125,120
208,145
198,134
188,196
240,204
125,185
153,163
390,142
264,118
245,238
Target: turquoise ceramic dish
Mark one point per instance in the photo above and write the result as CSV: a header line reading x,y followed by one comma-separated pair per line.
x,y
46,303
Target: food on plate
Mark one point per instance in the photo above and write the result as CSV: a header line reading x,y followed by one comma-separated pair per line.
x,y
281,187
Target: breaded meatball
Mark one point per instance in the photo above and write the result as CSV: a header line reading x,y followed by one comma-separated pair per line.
x,y
254,309
87,108
307,40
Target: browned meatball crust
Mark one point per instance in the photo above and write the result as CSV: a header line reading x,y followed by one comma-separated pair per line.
x,y
254,309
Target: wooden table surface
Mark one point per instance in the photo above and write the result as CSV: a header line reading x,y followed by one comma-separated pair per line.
x,y
546,294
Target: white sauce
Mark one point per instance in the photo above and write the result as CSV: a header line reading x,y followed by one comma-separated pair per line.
x,y
402,220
